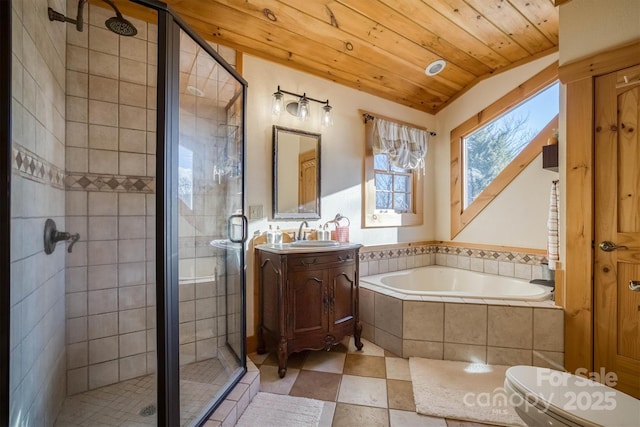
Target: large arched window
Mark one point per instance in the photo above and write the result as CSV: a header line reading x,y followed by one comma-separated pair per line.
x,y
491,148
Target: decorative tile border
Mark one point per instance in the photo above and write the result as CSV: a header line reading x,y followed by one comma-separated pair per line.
x,y
110,183
409,249
34,167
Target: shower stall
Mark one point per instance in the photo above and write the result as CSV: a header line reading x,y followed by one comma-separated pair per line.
x,y
127,131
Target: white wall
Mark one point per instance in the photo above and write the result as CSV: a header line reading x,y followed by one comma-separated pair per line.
x,y
518,216
591,26
342,147
342,151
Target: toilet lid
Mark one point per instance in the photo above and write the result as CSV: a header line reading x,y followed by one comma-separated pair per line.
x,y
574,398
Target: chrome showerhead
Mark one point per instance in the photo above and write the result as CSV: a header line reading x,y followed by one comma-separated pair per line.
x,y
121,26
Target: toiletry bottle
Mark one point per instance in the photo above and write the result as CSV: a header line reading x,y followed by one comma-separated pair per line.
x,y
270,235
277,236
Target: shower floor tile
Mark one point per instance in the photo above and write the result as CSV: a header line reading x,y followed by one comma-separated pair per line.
x,y
133,402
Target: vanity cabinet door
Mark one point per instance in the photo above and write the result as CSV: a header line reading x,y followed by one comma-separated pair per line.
x,y
343,293
309,300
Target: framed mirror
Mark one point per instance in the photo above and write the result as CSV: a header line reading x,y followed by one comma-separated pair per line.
x,y
296,174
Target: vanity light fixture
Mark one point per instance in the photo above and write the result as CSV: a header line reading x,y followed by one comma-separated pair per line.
x,y
301,107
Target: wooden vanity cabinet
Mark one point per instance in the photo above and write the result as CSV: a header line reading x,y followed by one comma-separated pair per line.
x,y
308,300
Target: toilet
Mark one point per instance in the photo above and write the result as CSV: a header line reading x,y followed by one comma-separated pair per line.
x,y
546,397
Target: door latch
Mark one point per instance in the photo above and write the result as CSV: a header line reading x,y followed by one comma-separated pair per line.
x,y
608,246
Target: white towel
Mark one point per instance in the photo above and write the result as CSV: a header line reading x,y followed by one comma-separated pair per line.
x,y
553,244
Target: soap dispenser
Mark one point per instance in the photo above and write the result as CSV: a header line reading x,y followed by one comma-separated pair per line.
x,y
270,235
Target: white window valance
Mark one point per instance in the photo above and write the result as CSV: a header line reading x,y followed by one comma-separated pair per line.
x,y
406,146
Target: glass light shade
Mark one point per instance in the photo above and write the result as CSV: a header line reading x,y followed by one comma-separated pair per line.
x,y
303,108
327,118
276,105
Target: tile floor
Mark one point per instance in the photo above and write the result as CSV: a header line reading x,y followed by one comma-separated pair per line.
x,y
132,402
369,388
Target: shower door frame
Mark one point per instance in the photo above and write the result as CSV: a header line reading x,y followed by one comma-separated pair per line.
x,y
5,204
167,134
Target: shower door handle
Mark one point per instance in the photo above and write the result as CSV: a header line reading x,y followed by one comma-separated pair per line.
x,y
608,246
243,237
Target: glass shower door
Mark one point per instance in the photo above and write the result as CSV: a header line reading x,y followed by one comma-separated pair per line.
x,y
210,229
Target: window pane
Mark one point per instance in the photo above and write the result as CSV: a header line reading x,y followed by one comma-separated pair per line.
x,y
401,202
488,150
381,162
383,181
399,170
383,200
401,183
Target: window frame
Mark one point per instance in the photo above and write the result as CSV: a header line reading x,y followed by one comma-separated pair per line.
x,y
460,216
374,219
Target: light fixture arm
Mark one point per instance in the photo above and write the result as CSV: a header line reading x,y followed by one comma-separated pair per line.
x,y
304,95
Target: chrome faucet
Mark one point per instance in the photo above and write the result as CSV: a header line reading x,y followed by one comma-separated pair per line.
x,y
300,236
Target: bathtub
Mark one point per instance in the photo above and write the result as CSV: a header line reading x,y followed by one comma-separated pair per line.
x,y
439,281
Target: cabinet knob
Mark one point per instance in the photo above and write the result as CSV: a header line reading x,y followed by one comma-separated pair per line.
x,y
307,264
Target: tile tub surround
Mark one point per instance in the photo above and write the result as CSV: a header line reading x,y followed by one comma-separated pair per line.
x,y
521,264
485,331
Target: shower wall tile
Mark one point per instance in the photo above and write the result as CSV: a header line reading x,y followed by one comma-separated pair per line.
x,y
132,320
102,374
102,203
103,301
133,343
103,113
103,40
133,141
103,162
77,59
103,89
133,164
133,366
102,64
77,84
103,349
103,137
132,48
102,277
132,274
103,325
133,71
76,330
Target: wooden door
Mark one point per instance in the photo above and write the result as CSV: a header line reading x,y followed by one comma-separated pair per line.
x,y
307,182
617,220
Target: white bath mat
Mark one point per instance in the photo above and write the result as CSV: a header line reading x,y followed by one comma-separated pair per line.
x,y
278,410
462,390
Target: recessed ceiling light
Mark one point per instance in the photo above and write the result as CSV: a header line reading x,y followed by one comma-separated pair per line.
x,y
195,91
435,67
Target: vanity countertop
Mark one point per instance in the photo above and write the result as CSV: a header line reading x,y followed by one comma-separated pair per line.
x,y
292,248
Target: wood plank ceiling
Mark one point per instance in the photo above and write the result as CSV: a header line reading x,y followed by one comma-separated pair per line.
x,y
382,47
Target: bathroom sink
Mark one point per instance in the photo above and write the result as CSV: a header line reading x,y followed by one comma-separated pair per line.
x,y
314,243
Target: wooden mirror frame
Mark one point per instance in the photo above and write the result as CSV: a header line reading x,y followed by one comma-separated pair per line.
x,y
275,188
